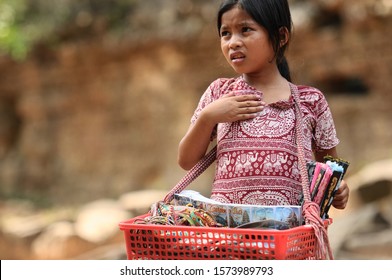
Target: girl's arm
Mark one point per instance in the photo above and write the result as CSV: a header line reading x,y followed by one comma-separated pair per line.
x,y
342,194
194,144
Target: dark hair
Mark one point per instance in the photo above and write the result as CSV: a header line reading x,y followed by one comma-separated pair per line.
x,y
273,15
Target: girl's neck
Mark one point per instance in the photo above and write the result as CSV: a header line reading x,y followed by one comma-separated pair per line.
x,y
274,88
264,80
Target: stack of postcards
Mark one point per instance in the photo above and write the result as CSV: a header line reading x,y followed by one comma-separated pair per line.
x,y
325,178
244,215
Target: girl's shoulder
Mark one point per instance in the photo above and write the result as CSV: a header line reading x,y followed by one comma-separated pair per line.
x,y
312,99
310,94
224,81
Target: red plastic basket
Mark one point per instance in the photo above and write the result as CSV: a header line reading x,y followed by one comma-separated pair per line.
x,y
168,242
164,242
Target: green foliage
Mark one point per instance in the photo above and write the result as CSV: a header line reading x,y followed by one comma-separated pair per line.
x,y
12,40
25,22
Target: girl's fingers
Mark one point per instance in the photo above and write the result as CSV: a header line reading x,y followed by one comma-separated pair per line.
x,y
252,109
244,98
250,101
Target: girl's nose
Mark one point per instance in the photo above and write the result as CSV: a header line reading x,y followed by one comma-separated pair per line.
x,y
235,42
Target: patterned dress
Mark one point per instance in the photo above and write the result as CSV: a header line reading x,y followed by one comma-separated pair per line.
x,y
257,159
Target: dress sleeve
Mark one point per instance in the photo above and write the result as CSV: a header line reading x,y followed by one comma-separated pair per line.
x,y
325,135
210,95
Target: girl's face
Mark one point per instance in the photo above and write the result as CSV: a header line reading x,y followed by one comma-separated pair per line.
x,y
245,44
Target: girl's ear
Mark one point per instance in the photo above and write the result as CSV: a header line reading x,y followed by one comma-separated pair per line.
x,y
284,36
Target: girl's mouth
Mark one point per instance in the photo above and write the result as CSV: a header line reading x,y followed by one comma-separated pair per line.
x,y
237,57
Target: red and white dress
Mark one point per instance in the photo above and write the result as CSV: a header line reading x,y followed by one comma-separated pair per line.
x,y
257,159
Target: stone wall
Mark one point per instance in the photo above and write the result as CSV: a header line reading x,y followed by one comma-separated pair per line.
x,y
93,118
97,117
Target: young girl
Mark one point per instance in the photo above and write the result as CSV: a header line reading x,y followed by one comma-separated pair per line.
x,y
253,116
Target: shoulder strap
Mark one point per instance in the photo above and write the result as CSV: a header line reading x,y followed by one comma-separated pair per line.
x,y
299,134
192,174
311,210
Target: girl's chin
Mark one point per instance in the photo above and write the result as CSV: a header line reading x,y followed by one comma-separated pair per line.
x,y
239,70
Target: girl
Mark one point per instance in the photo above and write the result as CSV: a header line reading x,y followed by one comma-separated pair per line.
x,y
253,116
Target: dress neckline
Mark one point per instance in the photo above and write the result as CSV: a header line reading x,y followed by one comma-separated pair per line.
x,y
283,104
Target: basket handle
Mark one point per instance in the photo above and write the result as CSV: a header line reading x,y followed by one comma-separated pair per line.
x,y
310,209
300,144
192,174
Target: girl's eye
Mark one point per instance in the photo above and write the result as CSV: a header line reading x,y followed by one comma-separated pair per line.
x,y
246,29
225,33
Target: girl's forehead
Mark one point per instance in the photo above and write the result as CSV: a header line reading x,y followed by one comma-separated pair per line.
x,y
236,16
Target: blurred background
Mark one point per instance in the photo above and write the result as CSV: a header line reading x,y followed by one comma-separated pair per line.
x,y
96,94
